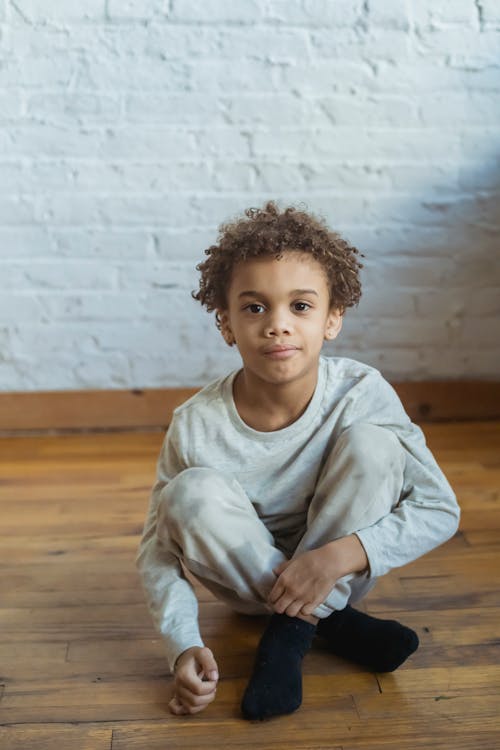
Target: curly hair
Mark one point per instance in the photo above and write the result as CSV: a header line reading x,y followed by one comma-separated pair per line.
x,y
271,232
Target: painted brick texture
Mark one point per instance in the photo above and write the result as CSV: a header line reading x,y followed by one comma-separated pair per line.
x,y
130,129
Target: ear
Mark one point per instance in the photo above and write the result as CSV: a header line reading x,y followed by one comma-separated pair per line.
x,y
333,325
225,328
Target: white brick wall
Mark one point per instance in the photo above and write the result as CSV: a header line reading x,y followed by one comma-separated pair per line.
x,y
129,129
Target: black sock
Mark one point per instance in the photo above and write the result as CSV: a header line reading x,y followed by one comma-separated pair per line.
x,y
275,686
379,645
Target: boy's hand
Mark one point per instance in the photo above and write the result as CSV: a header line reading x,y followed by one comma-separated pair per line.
x,y
196,676
305,582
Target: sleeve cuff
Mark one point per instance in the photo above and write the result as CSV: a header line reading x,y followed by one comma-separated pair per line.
x,y
175,647
367,540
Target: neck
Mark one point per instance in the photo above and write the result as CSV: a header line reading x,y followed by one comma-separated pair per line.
x,y
268,406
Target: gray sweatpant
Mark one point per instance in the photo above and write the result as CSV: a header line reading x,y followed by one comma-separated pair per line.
x,y
208,521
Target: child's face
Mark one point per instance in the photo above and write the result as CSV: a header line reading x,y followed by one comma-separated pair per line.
x,y
278,315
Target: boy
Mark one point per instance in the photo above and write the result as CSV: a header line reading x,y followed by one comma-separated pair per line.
x,y
288,486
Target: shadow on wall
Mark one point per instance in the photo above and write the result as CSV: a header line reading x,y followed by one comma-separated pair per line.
x,y
431,279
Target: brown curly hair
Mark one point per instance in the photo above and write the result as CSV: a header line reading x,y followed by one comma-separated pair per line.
x,y
271,232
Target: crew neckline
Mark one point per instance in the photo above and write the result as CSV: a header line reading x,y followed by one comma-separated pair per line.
x,y
290,430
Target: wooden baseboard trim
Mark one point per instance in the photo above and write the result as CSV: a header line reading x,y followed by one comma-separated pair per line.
x,y
151,408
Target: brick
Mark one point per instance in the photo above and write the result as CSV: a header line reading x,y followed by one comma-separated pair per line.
x,y
10,105
224,142
459,47
253,110
24,241
393,363
163,176
183,244
393,14
57,140
93,306
154,142
135,10
58,10
459,108
52,274
481,332
102,372
405,273
375,301
428,14
315,12
378,110
175,108
151,142
269,44
424,77
324,76
388,332
18,307
391,45
480,363
16,210
142,209
111,73
211,11
36,72
110,243
156,275
490,13
246,76
71,106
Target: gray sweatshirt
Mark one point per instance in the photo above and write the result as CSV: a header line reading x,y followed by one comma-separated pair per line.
x,y
278,469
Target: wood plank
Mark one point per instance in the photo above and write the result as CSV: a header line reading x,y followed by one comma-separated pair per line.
x,y
59,410
46,737
426,401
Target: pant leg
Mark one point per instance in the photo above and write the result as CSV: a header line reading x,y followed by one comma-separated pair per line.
x,y
207,520
360,483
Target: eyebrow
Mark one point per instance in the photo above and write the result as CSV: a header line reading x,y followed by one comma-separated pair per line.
x,y
253,293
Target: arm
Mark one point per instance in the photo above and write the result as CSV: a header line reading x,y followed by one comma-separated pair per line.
x,y
426,515
169,595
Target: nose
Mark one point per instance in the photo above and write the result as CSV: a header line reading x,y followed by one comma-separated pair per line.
x,y
278,324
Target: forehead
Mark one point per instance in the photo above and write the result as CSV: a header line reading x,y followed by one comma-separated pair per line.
x,y
267,271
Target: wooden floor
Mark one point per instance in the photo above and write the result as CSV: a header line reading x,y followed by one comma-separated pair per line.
x,y
81,666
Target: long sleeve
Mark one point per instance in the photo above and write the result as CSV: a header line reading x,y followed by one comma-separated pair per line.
x,y
427,514
170,597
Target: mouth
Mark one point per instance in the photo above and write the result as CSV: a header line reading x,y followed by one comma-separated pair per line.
x,y
280,351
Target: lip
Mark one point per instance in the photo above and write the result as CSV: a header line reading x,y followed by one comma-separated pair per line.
x,y
280,351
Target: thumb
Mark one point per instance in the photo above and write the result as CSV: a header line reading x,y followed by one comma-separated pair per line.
x,y
208,663
281,567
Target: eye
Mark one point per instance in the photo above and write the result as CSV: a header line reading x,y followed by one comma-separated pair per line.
x,y
252,307
302,306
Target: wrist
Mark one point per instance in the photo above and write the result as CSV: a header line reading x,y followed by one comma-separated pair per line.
x,y
183,653
348,555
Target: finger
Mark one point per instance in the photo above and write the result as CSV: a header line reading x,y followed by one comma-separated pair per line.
x,y
281,567
208,664
176,707
284,602
197,686
277,590
308,609
189,700
294,608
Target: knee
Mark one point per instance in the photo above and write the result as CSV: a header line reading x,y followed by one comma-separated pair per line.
x,y
190,495
376,449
